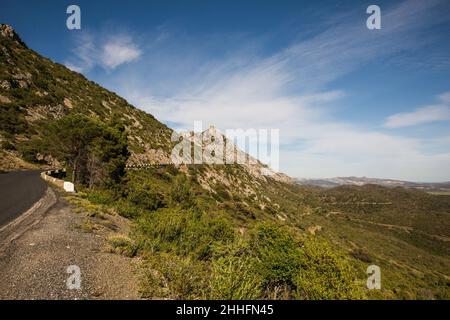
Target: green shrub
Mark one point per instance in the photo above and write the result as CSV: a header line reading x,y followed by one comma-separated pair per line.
x,y
234,278
126,210
277,252
185,232
325,274
7,145
181,194
29,150
172,170
361,255
101,196
122,245
222,193
12,119
146,198
173,277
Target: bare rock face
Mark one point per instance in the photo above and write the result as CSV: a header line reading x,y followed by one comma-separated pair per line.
x,y
8,32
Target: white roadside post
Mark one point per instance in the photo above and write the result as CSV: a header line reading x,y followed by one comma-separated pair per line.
x,y
69,186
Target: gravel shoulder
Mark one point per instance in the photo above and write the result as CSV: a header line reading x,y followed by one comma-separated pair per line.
x,y
34,259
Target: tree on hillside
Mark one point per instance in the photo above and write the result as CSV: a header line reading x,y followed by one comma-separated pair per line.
x,y
95,153
12,119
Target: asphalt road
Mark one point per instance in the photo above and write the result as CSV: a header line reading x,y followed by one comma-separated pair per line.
x,y
19,190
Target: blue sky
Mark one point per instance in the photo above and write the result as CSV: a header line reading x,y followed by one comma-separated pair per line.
x,y
347,100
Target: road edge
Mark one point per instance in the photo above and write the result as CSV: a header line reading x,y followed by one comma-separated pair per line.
x,y
15,228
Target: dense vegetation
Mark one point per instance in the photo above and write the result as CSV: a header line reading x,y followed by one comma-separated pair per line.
x,y
189,237
194,249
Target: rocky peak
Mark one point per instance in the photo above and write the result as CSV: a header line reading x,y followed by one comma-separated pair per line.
x,y
8,32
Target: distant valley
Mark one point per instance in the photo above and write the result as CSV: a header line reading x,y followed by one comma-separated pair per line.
x,y
434,187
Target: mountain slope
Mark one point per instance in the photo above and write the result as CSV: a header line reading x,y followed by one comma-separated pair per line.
x,y
34,90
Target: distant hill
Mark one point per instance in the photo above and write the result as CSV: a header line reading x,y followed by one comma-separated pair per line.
x,y
389,183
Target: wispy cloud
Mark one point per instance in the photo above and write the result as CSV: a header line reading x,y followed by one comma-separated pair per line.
x,y
427,114
119,50
288,90
84,53
90,51
73,67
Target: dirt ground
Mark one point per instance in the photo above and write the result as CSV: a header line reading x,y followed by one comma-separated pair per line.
x,y
37,249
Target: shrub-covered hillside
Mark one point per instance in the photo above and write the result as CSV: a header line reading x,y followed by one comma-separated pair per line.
x,y
35,90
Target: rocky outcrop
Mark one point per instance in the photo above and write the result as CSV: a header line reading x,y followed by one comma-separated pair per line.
x,y
8,32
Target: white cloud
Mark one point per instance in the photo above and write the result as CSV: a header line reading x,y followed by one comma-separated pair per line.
x,y
427,114
420,116
118,51
445,98
89,51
